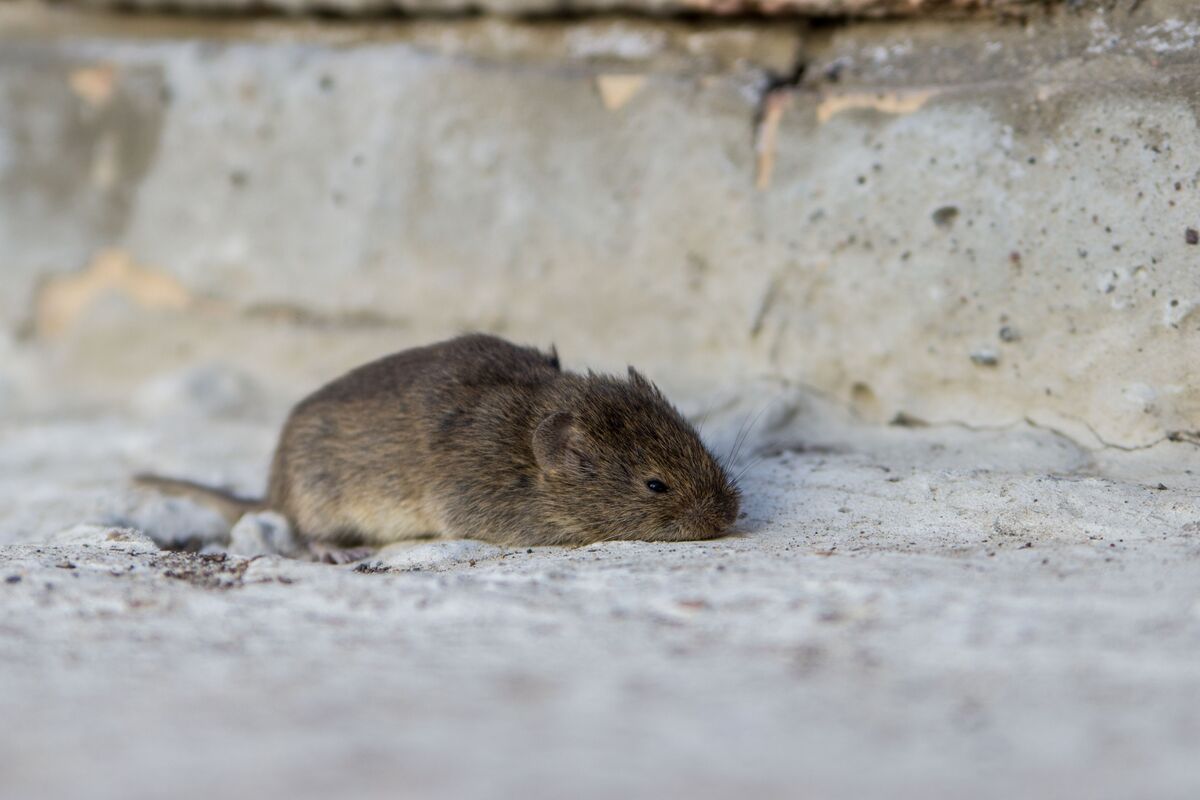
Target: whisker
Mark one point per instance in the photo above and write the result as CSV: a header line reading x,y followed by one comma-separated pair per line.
x,y
737,439
747,468
742,439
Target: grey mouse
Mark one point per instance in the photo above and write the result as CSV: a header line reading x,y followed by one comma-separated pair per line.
x,y
479,438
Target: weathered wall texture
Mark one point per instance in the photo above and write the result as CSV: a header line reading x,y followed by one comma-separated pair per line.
x,y
813,8
949,221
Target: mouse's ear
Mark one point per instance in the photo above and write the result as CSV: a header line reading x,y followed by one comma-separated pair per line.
x,y
552,440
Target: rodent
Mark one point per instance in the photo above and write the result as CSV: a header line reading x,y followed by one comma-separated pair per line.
x,y
476,437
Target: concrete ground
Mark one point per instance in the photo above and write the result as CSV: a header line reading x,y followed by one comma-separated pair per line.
x,y
982,229
908,612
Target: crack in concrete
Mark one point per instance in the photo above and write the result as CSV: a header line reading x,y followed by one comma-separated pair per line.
x,y
909,420
1187,437
773,100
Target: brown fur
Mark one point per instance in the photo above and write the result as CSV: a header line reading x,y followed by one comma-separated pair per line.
x,y
476,437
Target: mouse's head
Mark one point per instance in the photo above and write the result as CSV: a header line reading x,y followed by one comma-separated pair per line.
x,y
618,461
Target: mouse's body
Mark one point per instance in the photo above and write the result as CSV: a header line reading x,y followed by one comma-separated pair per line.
x,y
479,438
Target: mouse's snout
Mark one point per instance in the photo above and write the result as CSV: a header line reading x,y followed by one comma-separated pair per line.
x,y
728,519
730,505
711,519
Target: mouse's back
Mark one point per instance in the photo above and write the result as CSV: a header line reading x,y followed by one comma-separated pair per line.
x,y
360,460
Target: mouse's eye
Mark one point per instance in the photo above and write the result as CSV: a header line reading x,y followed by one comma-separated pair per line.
x,y
656,486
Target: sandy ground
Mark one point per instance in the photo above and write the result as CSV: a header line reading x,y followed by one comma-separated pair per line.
x,y
910,612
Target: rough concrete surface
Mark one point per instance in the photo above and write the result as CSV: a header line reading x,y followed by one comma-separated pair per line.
x,y
906,613
967,221
781,8
972,229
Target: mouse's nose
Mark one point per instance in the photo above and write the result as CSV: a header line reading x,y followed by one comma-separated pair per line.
x,y
711,522
728,508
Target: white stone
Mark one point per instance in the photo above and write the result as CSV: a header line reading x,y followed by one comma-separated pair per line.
x,y
262,533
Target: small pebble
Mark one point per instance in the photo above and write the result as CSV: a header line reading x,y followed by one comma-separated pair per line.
x,y
985,358
13,579
1009,334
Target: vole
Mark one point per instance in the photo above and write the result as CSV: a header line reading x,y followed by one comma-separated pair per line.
x,y
476,437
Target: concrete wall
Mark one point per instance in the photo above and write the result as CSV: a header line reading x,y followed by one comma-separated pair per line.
x,y
781,8
951,221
